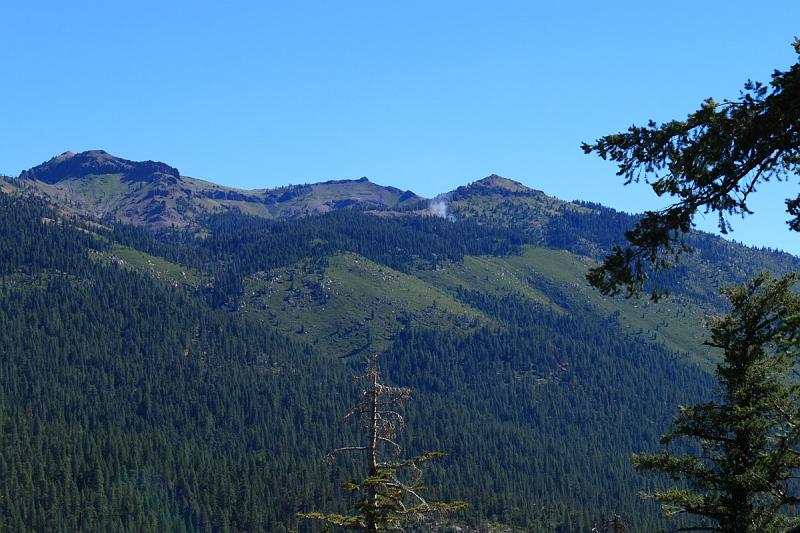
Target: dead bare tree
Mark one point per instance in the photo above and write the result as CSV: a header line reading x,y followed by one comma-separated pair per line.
x,y
612,525
392,489
615,524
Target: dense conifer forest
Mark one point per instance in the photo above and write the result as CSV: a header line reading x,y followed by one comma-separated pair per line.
x,y
135,401
132,403
179,355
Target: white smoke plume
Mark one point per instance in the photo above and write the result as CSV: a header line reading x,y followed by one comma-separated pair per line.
x,y
438,208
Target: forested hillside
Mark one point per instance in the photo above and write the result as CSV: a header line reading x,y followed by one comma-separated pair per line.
x,y
194,379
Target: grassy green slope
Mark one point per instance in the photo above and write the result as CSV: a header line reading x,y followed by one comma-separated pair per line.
x,y
342,306
98,194
7,185
557,277
348,304
157,267
493,275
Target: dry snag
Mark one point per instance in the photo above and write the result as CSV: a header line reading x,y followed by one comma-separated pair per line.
x,y
392,489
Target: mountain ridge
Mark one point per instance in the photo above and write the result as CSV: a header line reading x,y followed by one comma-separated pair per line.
x,y
238,341
156,195
71,165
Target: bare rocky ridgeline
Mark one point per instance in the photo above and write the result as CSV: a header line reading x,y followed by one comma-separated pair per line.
x,y
156,195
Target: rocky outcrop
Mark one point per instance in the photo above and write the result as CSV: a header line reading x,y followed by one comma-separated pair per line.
x,y
70,165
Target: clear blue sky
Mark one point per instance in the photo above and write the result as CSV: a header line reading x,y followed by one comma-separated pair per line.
x,y
425,95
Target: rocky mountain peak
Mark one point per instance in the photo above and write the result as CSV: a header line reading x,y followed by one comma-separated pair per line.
x,y
494,181
70,165
492,185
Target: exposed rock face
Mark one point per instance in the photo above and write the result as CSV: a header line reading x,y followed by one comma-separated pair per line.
x,y
154,194
221,194
70,165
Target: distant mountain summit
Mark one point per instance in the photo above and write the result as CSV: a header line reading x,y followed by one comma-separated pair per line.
x,y
492,185
70,165
156,195
498,201
499,183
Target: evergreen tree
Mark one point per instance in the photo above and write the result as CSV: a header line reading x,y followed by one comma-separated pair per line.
x,y
713,160
739,482
391,490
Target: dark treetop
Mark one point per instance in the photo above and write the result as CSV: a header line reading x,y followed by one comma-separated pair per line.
x,y
713,160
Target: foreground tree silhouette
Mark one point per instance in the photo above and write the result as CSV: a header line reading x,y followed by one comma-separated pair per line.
x,y
391,492
739,481
711,161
